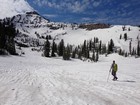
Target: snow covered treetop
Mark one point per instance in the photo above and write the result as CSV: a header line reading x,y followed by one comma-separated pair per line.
x,y
9,8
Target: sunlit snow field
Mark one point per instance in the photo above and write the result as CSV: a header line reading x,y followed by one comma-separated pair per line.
x,y
34,80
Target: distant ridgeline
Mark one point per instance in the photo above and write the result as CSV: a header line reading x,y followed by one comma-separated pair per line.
x,y
94,26
7,35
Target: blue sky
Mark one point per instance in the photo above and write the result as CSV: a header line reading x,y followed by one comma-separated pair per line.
x,y
96,11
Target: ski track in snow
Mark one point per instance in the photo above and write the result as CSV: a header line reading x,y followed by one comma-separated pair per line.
x,y
34,80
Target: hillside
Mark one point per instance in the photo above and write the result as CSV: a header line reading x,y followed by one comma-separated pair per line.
x,y
77,35
36,27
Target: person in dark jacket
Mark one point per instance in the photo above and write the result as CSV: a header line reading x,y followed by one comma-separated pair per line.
x,y
114,68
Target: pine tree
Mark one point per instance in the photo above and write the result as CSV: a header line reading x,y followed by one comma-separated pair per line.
x,y
110,46
74,53
53,49
125,36
84,49
138,48
97,56
47,48
120,52
10,44
138,37
100,47
7,35
124,28
2,39
61,48
133,51
90,45
123,53
66,53
126,54
104,50
88,54
130,47
94,40
93,56
93,45
47,37
79,54
121,36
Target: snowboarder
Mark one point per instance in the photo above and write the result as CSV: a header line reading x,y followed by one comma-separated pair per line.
x,y
114,68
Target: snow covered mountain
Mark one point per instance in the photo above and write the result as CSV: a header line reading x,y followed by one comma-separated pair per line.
x,y
9,8
27,22
24,18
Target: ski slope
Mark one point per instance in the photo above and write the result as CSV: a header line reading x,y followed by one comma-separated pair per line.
x,y
34,80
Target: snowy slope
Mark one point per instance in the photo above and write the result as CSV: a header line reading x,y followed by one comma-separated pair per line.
x,y
25,23
77,37
35,80
10,8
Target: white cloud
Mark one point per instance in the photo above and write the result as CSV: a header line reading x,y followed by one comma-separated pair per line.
x,y
73,5
96,3
50,15
87,19
76,7
126,5
37,2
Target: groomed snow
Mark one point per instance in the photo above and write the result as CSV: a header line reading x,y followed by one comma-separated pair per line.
x,y
34,80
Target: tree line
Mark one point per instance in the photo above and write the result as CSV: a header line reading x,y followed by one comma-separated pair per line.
x,y
132,51
7,35
89,50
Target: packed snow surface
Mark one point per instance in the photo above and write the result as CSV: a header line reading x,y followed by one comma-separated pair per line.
x,y
34,80
10,8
